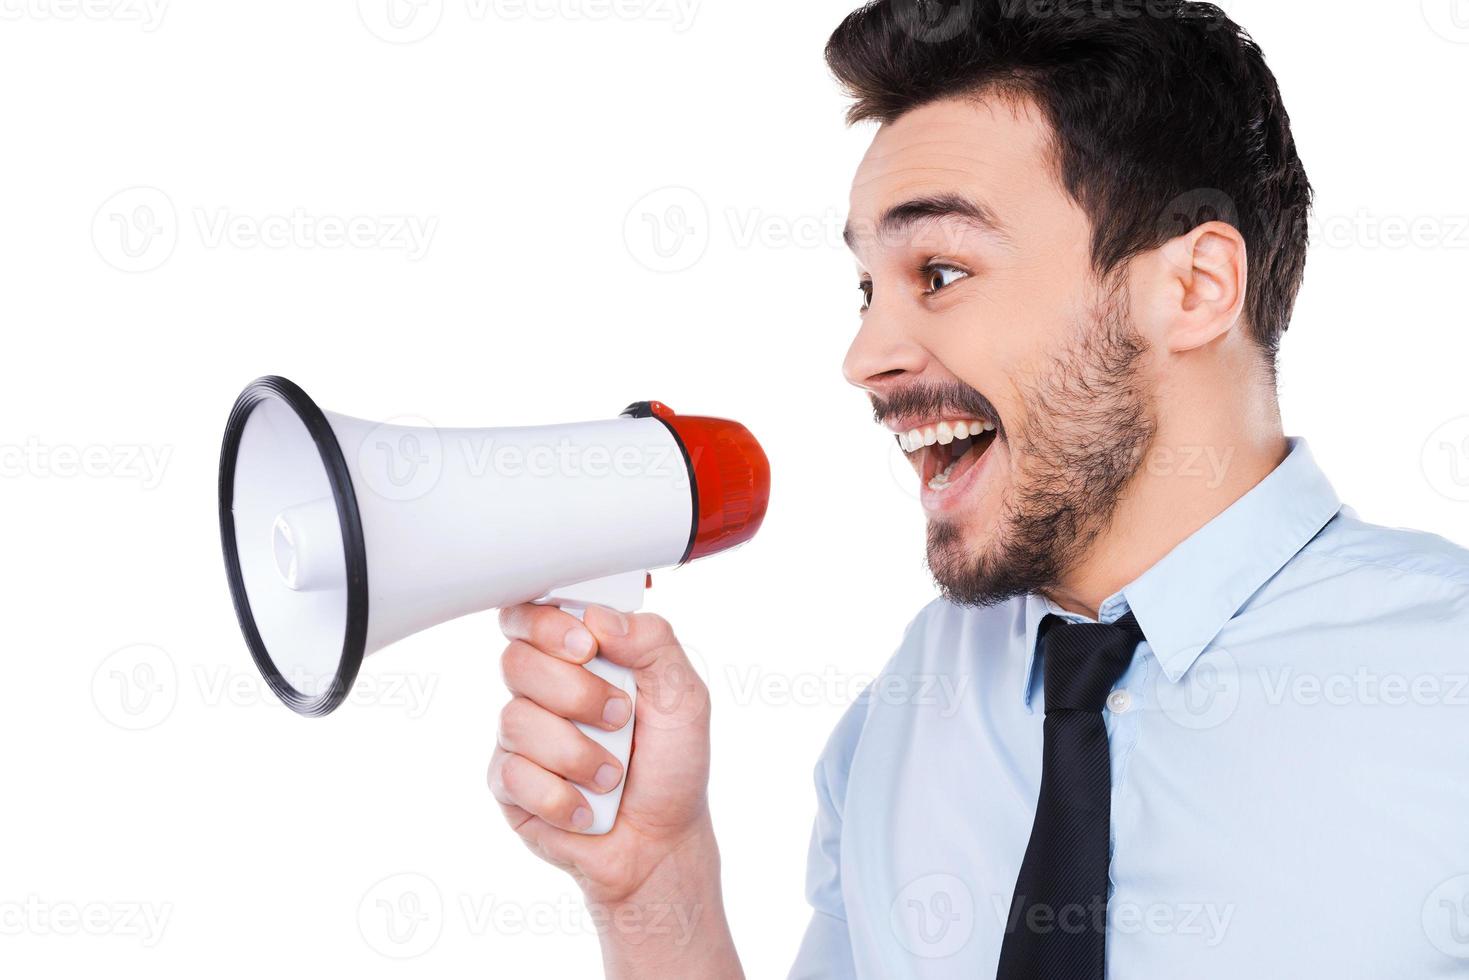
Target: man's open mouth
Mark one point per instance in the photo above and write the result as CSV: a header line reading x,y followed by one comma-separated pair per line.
x,y
943,451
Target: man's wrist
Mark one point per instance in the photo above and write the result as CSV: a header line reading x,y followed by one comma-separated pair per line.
x,y
673,924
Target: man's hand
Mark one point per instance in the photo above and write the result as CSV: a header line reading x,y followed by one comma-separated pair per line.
x,y
654,879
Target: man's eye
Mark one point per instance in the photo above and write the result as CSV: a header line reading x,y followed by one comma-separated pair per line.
x,y
943,276
866,287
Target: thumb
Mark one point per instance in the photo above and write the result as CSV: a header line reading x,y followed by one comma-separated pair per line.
x,y
671,694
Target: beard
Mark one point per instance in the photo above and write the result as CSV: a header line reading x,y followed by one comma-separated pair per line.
x,y
1088,426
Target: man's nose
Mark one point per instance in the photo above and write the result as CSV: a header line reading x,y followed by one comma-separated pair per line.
x,y
882,356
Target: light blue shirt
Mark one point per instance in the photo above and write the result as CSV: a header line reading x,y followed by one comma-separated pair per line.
x,y
1290,765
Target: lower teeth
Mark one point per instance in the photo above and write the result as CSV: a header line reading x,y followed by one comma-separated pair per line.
x,y
941,481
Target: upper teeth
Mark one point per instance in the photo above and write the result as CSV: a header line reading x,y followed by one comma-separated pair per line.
x,y
943,433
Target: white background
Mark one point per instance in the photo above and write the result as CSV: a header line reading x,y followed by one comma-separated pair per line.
x,y
148,773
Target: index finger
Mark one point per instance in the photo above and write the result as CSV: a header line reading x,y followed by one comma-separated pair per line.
x,y
549,630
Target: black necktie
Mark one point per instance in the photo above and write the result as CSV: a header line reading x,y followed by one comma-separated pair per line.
x,y
1058,916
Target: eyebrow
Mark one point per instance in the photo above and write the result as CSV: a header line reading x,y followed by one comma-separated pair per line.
x,y
902,217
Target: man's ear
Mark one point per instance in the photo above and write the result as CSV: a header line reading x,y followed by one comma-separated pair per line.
x,y
1191,290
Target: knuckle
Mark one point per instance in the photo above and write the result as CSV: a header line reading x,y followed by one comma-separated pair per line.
x,y
589,757
507,773
543,618
591,700
546,798
559,802
656,626
517,661
568,800
514,776
514,720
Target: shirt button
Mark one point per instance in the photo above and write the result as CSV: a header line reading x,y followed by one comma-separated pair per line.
x,y
1118,702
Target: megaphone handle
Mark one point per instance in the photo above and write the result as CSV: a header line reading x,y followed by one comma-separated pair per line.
x,y
623,592
619,743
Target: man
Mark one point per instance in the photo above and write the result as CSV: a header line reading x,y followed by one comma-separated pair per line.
x,y
1211,724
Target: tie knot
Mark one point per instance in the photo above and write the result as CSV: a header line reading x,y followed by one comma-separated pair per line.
x,y
1084,660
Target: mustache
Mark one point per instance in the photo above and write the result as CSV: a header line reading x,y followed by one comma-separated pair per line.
x,y
952,399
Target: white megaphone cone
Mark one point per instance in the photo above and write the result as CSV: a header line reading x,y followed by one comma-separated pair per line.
x,y
342,536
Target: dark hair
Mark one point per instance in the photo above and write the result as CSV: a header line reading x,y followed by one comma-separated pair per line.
x,y
1164,111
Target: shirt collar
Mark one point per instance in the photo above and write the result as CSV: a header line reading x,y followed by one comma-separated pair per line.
x,y
1184,600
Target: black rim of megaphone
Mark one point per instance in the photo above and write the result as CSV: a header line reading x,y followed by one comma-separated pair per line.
x,y
354,641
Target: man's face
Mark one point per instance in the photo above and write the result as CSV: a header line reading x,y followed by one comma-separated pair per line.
x,y
983,315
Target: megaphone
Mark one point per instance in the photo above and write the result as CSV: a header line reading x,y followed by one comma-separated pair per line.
x,y
342,536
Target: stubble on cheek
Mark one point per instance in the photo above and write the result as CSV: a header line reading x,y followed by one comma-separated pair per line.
x,y
1081,437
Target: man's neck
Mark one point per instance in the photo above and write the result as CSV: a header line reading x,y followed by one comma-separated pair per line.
x,y
1181,486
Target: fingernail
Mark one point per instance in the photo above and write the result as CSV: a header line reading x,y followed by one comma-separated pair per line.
x,y
606,778
581,819
579,642
610,620
616,712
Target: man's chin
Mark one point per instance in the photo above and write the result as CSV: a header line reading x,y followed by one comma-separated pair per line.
x,y
963,564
